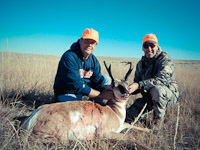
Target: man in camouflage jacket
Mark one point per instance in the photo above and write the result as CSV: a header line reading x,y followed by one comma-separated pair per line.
x,y
154,75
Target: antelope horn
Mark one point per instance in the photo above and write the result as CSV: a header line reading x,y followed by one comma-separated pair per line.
x,y
129,71
109,71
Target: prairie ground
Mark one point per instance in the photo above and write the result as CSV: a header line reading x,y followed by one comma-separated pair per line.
x,y
26,82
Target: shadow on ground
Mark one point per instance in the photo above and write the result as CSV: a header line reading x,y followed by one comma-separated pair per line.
x,y
31,99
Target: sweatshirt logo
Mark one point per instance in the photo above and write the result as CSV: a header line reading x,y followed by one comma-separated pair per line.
x,y
85,74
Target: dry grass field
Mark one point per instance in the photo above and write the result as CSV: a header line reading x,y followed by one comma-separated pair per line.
x,y
26,82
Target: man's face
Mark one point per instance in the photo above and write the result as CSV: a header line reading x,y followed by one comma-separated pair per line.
x,y
150,49
87,46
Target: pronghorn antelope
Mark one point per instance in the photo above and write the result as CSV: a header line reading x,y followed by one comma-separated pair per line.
x,y
82,119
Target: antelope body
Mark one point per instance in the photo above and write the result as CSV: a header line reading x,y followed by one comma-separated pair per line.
x,y
81,119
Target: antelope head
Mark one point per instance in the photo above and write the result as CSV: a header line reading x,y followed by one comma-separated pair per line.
x,y
119,86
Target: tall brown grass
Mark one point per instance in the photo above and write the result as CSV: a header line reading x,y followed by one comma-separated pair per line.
x,y
26,82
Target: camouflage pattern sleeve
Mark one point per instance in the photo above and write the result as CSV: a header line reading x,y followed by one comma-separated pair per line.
x,y
164,75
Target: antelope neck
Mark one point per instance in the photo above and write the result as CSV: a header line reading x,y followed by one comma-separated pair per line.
x,y
119,109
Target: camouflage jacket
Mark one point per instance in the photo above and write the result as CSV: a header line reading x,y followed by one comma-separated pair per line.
x,y
156,71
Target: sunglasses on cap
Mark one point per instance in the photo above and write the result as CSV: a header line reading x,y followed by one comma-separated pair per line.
x,y
146,45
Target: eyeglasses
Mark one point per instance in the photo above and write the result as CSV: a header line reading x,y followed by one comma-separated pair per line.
x,y
146,45
88,41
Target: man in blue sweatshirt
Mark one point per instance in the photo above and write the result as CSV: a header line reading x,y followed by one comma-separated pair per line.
x,y
79,72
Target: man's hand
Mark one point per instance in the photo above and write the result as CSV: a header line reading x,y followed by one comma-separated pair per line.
x,y
133,87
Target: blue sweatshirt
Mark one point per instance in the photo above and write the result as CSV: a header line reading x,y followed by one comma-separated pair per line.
x,y
76,75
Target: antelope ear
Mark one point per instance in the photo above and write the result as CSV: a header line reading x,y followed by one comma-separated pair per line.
x,y
114,84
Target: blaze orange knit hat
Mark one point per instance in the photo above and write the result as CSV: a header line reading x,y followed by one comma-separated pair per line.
x,y
150,38
91,34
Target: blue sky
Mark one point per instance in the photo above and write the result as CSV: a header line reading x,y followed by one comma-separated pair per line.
x,y
50,27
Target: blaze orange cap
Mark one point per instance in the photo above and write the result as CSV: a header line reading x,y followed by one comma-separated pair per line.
x,y
91,34
150,38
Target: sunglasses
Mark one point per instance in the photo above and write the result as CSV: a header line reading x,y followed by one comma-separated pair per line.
x,y
146,45
87,41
